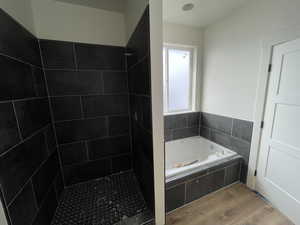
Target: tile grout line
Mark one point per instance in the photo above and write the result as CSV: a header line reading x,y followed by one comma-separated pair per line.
x,y
17,120
23,99
28,180
95,139
24,140
5,206
51,112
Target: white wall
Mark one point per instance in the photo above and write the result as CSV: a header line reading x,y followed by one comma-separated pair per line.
x,y
185,35
20,11
134,10
69,22
156,43
233,53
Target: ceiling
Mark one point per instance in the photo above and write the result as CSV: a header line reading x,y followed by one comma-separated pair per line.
x,y
110,5
204,13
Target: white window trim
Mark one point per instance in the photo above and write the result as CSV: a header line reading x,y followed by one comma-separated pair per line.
x,y
193,78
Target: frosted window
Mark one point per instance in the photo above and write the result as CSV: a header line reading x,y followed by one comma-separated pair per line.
x,y
179,80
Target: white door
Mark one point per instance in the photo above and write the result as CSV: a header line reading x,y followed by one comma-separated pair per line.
x,y
278,177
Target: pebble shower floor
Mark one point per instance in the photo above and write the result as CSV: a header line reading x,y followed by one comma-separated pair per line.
x,y
104,201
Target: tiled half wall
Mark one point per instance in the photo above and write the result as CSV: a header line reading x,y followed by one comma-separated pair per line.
x,y
229,132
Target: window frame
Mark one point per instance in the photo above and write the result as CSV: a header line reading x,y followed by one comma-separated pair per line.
x,y
192,75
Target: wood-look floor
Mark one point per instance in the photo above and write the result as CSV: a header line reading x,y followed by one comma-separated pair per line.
x,y
236,205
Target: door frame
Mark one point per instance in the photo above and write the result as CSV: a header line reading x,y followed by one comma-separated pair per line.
x,y
272,39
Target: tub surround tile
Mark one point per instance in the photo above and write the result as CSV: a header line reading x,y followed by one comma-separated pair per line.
x,y
237,137
242,130
220,123
175,197
205,185
185,132
181,126
203,170
185,189
233,174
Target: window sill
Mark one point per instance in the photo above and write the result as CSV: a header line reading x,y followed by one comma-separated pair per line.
x,y
178,113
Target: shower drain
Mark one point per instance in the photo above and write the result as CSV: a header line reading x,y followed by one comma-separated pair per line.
x,y
105,201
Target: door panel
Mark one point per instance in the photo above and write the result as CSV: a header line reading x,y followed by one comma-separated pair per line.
x,y
279,160
287,118
280,175
290,78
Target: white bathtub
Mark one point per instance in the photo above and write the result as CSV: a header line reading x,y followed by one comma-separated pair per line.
x,y
187,155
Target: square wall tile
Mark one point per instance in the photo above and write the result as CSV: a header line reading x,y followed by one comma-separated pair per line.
x,y
108,147
66,108
118,125
66,82
46,212
121,163
115,82
58,54
32,115
17,165
9,134
100,57
17,42
44,178
102,105
23,209
16,81
39,82
185,132
87,171
242,129
175,197
219,123
73,153
78,130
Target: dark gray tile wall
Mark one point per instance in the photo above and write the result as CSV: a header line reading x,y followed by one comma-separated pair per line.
x,y
187,189
138,66
229,132
89,94
182,126
30,177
